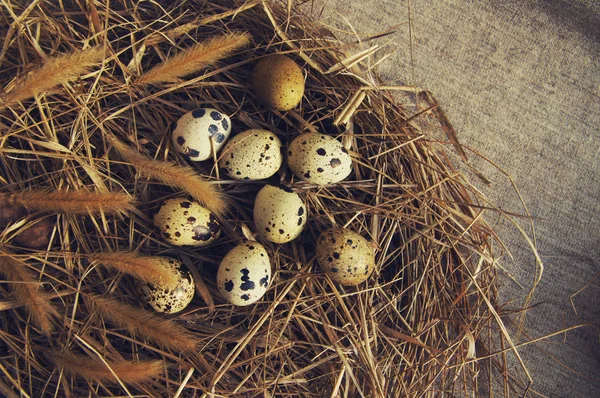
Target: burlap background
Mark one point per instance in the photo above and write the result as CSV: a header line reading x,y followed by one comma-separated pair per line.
x,y
520,81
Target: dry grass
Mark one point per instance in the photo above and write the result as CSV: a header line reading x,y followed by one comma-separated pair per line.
x,y
425,324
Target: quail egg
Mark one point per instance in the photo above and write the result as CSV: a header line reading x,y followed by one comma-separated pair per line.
x,y
279,213
319,159
252,155
278,82
345,255
184,222
169,299
244,274
193,132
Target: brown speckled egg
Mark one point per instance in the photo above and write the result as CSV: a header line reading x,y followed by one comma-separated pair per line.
x,y
279,213
345,255
319,159
169,299
184,222
194,130
278,82
251,155
244,274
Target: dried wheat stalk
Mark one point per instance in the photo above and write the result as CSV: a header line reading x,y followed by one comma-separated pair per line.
x,y
55,71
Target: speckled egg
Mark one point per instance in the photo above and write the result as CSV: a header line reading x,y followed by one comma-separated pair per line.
x,y
279,213
193,132
244,274
184,222
251,155
319,159
345,255
278,82
169,299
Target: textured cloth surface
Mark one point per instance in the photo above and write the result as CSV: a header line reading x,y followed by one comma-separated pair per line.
x,y
520,81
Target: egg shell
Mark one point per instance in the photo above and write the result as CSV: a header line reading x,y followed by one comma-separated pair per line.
x,y
169,299
252,155
244,274
319,159
184,222
193,132
37,236
345,256
278,82
279,214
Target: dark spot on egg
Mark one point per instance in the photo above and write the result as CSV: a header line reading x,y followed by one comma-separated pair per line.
x,y
180,140
272,138
281,231
321,152
301,211
267,229
193,153
213,129
335,162
245,297
191,220
186,205
247,284
336,255
178,234
267,158
227,163
201,233
198,113
300,221
290,153
320,170
229,286
166,235
334,269
216,115
344,150
264,281
330,259
219,138
225,124
238,173
246,178
267,147
307,174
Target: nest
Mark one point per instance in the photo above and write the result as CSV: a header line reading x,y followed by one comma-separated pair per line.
x,y
85,130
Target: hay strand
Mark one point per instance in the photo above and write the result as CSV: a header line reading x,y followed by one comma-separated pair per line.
x,y
195,58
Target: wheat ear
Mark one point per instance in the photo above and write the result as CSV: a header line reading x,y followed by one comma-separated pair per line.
x,y
195,58
126,371
145,268
27,292
55,71
70,202
180,177
142,323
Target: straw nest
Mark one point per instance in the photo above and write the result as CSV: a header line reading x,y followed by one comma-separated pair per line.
x,y
90,95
